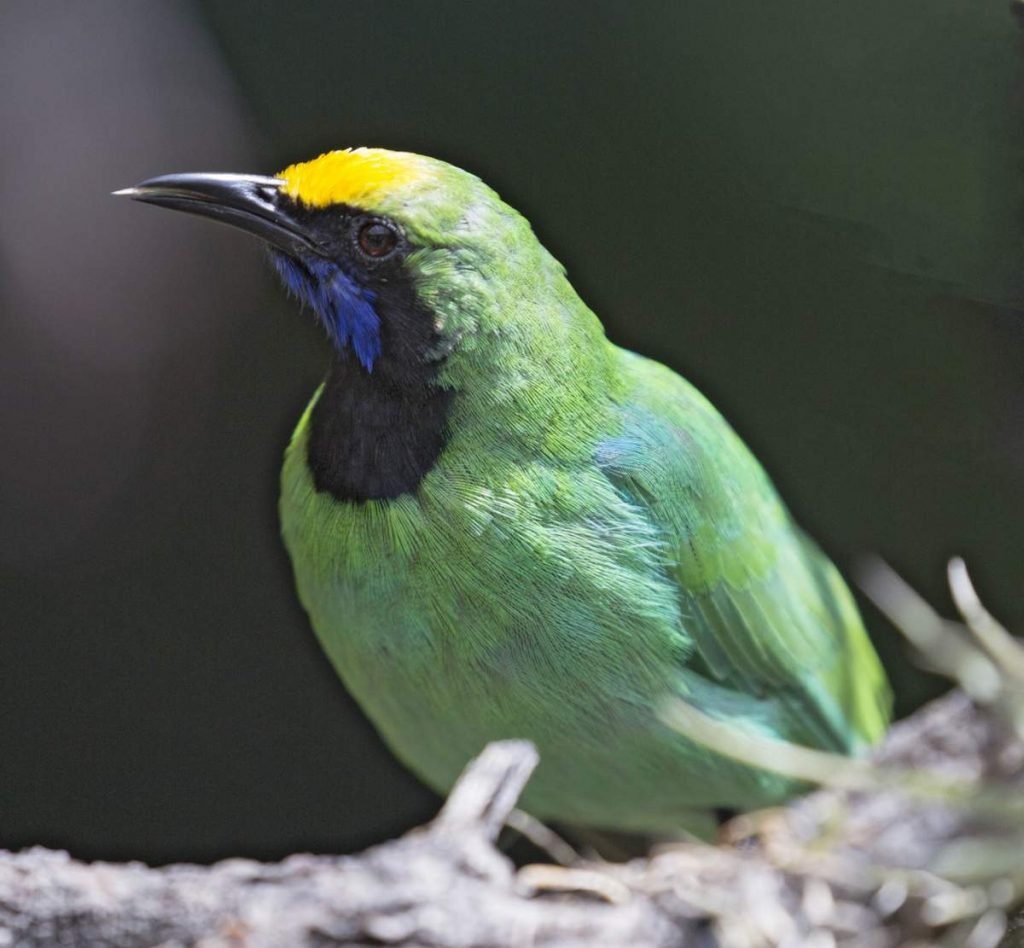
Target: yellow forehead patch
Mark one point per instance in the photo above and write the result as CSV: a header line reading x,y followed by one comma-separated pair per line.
x,y
357,176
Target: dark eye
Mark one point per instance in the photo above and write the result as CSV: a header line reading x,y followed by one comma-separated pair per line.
x,y
377,239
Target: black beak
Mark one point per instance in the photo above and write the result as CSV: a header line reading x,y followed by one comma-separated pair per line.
x,y
250,202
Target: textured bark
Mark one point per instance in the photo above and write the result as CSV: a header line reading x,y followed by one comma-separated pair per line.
x,y
441,885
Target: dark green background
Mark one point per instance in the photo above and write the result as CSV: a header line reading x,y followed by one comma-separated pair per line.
x,y
812,209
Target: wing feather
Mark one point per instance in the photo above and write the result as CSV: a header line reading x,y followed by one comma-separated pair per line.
x,y
767,612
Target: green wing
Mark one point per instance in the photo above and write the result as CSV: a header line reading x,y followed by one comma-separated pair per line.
x,y
768,614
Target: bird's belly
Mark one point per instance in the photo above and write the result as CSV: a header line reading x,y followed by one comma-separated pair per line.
x,y
448,642
607,759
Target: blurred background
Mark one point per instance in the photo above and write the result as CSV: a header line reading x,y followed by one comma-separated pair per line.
x,y
813,210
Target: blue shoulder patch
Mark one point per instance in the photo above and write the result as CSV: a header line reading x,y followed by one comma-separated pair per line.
x,y
344,307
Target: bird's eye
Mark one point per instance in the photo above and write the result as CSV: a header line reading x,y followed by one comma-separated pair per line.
x,y
377,239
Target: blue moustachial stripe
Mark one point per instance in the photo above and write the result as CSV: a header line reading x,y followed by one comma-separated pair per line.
x,y
343,306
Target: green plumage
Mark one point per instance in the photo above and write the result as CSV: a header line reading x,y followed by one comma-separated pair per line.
x,y
583,536
593,538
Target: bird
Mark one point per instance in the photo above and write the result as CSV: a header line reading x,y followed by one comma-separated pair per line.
x,y
503,525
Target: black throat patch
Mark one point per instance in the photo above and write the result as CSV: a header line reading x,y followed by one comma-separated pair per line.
x,y
375,435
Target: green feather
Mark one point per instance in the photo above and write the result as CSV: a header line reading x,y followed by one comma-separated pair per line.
x,y
593,539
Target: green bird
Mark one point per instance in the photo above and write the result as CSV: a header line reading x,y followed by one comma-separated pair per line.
x,y
504,526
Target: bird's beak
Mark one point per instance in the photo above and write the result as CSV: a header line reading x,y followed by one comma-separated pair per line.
x,y
250,202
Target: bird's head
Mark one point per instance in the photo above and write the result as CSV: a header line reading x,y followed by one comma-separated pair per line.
x,y
399,255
